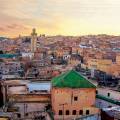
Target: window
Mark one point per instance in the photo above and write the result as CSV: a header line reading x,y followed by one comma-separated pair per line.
x,y
60,112
26,114
74,112
67,112
87,112
96,92
19,115
109,106
108,94
81,112
75,98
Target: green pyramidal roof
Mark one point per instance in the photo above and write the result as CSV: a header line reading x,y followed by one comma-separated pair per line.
x,y
71,79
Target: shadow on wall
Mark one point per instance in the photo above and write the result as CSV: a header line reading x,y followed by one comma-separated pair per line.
x,y
1,96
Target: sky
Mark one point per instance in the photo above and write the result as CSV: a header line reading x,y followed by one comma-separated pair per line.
x,y
59,17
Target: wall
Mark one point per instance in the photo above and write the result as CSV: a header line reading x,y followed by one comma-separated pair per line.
x,y
85,101
42,98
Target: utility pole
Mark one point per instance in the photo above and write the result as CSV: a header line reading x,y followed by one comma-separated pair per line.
x,y
63,105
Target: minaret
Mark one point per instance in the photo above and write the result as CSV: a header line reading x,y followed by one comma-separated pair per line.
x,y
33,40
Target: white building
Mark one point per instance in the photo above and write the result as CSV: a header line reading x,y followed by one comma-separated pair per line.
x,y
27,54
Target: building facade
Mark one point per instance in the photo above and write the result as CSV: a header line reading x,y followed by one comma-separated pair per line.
x,y
72,96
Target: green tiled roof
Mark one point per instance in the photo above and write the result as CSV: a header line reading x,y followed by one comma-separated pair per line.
x,y
71,79
7,55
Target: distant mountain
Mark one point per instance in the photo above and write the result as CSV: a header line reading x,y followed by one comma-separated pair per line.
x,y
2,38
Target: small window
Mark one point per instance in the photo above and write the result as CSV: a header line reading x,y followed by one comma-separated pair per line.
x,y
67,112
75,98
74,112
81,112
19,115
60,112
109,106
26,114
87,112
108,94
96,92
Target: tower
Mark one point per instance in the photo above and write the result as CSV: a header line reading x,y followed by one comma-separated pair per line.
x,y
33,40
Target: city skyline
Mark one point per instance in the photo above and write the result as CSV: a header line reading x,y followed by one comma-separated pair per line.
x,y
53,17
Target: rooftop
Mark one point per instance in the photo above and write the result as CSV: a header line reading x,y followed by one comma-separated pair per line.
x,y
71,79
38,86
7,55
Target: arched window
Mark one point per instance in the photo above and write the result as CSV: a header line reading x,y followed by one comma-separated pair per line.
x,y
67,112
81,112
60,112
74,112
108,94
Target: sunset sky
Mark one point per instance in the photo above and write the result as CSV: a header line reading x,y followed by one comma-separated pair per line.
x,y
65,17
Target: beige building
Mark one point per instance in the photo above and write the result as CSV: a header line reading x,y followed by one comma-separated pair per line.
x,y
100,64
105,65
72,96
33,41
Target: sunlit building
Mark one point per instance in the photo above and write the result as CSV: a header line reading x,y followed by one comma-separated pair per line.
x,y
73,96
33,41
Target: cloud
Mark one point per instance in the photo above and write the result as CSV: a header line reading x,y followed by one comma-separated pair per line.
x,y
59,16
2,29
16,26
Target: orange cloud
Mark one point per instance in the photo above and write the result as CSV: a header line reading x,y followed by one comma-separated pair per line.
x,y
67,17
